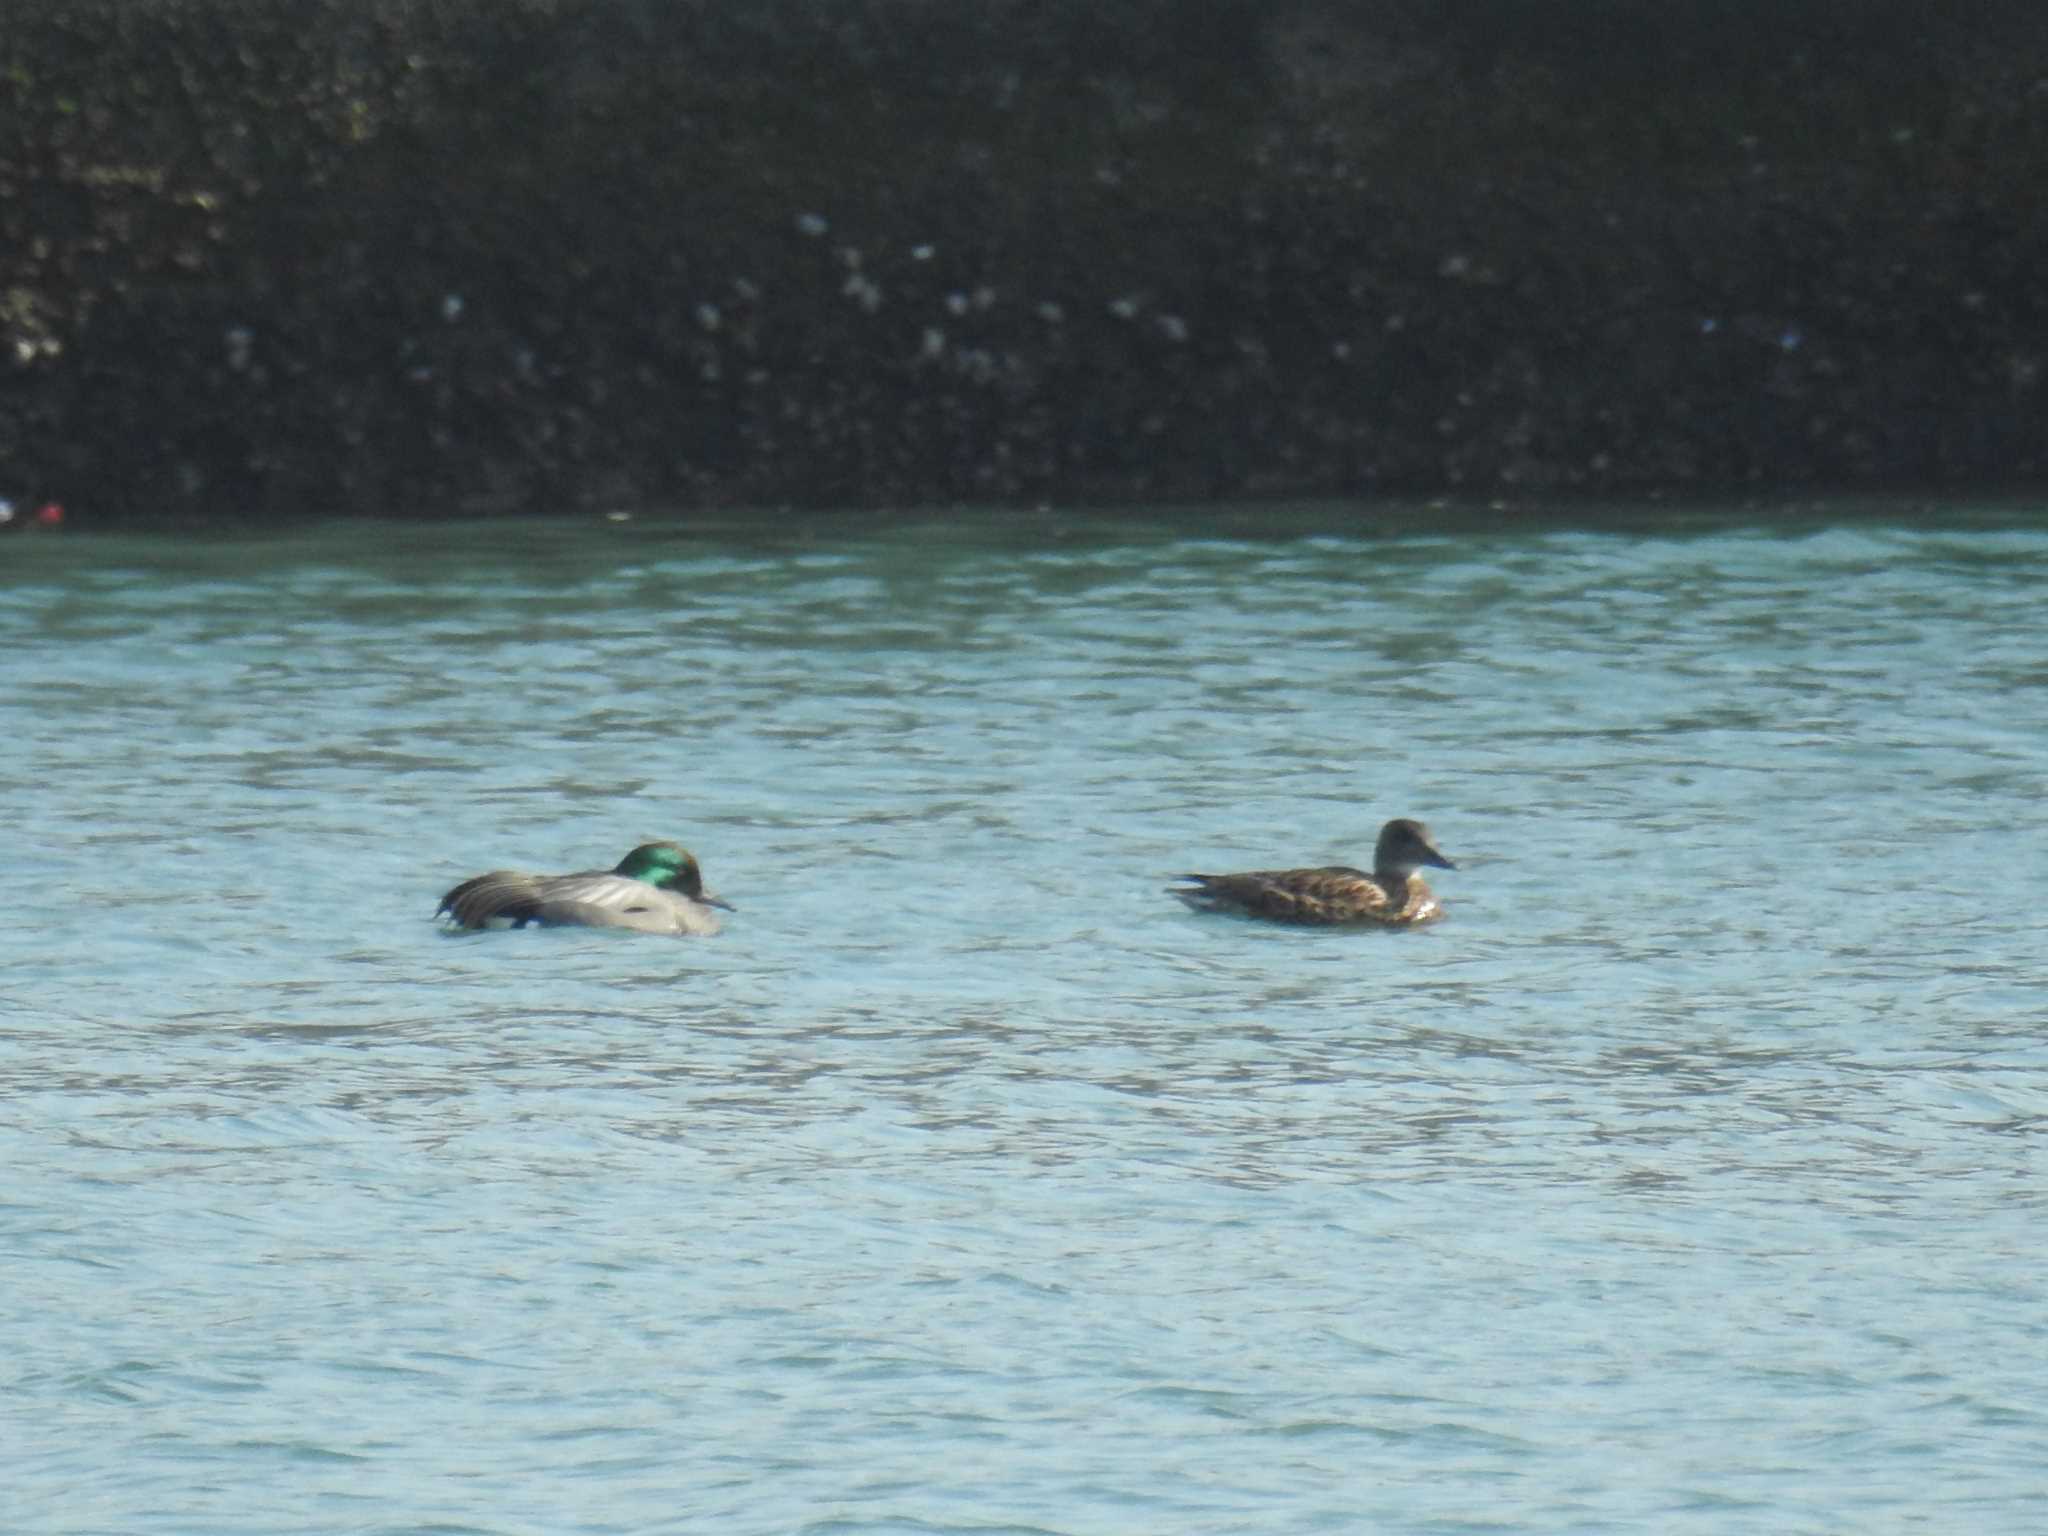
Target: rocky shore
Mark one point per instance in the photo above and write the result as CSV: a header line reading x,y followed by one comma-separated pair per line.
x,y
274,258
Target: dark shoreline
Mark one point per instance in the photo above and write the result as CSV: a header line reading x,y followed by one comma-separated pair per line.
x,y
1656,516
265,259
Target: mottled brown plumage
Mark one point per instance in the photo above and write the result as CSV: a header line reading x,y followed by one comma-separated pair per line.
x,y
1392,896
657,888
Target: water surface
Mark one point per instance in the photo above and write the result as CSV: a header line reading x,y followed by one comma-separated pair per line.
x,y
1688,1178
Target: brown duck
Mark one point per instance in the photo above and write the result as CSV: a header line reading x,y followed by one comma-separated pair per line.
x,y
657,888
1392,896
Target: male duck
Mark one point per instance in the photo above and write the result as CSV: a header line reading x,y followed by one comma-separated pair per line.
x,y
1393,895
657,888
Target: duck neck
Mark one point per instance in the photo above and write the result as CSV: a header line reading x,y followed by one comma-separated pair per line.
x,y
1402,886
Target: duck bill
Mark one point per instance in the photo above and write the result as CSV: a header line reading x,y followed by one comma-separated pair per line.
x,y
710,900
1439,860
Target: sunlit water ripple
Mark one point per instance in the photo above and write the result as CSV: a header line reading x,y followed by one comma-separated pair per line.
x,y
1685,1180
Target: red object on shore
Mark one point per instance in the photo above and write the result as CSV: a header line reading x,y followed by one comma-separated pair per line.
x,y
49,514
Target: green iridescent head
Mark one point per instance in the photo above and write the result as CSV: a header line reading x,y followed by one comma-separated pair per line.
x,y
668,867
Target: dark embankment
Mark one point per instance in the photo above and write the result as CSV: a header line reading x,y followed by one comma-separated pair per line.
x,y
312,256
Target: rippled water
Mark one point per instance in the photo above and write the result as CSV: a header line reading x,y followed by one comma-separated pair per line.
x,y
1686,1179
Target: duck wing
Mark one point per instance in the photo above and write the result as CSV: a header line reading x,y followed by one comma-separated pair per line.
x,y
1333,893
601,899
503,895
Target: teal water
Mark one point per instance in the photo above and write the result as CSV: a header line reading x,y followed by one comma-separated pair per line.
x,y
1687,1179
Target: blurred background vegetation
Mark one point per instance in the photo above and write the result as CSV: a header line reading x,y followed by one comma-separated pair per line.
x,y
299,257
